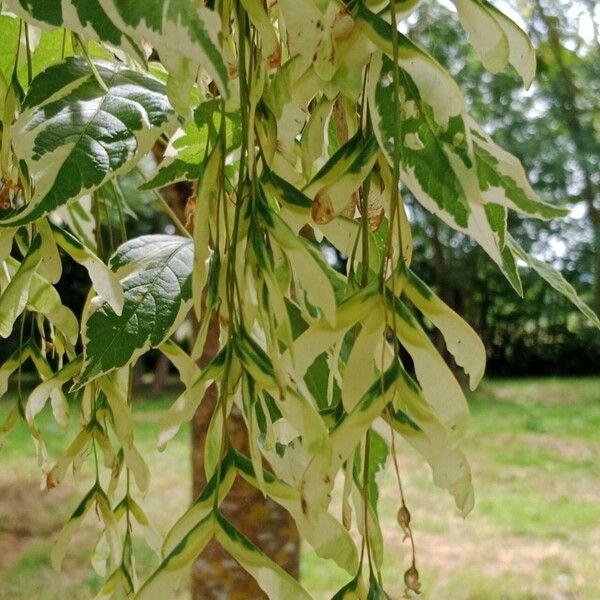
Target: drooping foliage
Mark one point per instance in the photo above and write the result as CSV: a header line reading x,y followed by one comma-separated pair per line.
x,y
295,121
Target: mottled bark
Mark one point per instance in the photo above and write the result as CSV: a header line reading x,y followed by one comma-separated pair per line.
x,y
161,374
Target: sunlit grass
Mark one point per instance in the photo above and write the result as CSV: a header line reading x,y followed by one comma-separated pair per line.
x,y
534,449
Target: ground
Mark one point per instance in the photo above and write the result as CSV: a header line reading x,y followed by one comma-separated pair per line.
x,y
534,533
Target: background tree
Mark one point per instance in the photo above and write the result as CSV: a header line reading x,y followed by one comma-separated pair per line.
x,y
541,335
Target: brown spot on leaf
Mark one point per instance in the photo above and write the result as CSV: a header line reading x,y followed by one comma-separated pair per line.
x,y
322,208
51,481
274,61
304,506
190,209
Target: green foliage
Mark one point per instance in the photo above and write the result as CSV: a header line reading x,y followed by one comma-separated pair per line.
x,y
313,358
155,272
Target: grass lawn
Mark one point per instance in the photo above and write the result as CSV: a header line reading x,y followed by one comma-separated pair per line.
x,y
534,447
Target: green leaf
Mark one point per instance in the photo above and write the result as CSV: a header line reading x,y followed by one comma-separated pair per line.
x,y
155,272
14,297
376,592
555,279
9,34
74,134
183,157
318,380
379,453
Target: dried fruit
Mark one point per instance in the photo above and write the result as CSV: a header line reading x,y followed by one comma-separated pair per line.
x,y
411,580
403,517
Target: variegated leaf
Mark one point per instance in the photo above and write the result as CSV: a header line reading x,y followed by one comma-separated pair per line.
x,y
14,296
169,573
50,388
437,162
274,581
177,29
322,531
503,181
155,272
461,340
75,133
440,387
497,39
434,84
417,422
103,279
45,300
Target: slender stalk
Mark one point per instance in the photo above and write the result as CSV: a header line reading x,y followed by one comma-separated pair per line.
x,y
29,61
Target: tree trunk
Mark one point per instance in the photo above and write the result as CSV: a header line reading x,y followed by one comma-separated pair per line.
x,y
215,575
161,374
